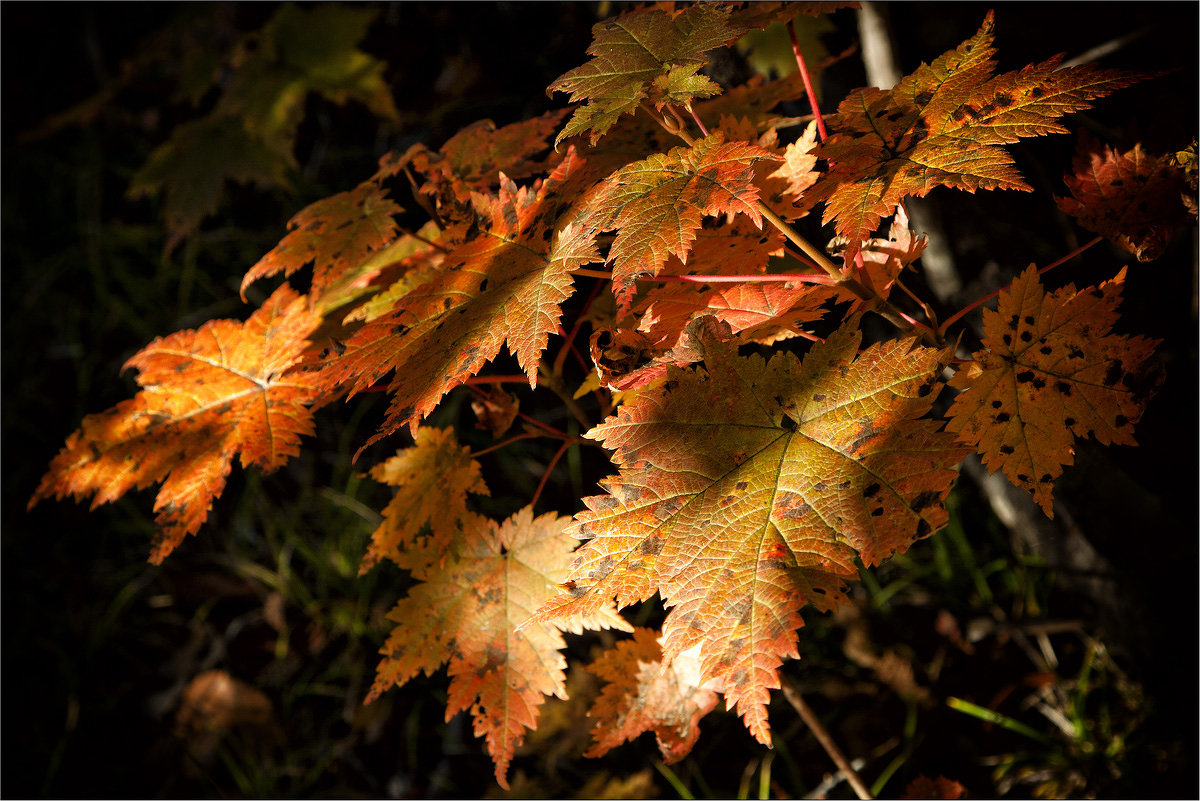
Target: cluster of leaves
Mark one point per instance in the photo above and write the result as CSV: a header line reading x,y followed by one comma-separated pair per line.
x,y
748,487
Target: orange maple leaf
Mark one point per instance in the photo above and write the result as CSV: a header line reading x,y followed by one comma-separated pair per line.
x,y
1128,197
504,285
433,478
228,388
1050,373
657,205
464,612
472,159
336,234
747,490
944,125
641,695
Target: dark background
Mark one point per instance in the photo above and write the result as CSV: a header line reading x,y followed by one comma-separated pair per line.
x,y
97,644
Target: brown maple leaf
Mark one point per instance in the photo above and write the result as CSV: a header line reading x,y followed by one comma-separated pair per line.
x,y
1128,197
1050,373
464,611
747,489
226,389
944,125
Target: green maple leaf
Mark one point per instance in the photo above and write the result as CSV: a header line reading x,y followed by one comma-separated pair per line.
x,y
647,55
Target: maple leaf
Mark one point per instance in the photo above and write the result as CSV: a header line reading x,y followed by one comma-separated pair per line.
x,y
1051,373
473,158
649,54
1127,197
944,125
505,285
433,478
748,488
335,234
464,612
192,167
496,410
250,136
225,389
643,695
882,259
799,167
657,205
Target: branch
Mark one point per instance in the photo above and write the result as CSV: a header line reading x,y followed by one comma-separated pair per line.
x,y
806,714
961,312
808,87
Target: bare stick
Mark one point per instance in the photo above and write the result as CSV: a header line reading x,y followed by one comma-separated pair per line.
x,y
806,714
808,87
957,315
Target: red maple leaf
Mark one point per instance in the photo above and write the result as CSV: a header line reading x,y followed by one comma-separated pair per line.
x,y
657,205
505,285
1129,197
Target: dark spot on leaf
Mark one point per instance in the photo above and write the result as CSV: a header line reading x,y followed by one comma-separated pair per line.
x,y
1026,336
741,485
1121,421
1114,373
997,404
1007,339
1045,350
820,486
1007,450
1045,479
871,489
1063,387
819,397
1003,417
923,528
1024,377
1038,383
483,285
878,512
924,500
651,546
1022,478
1070,421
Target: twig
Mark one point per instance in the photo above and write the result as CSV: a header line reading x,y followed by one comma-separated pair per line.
x,y
806,714
549,469
961,312
808,87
